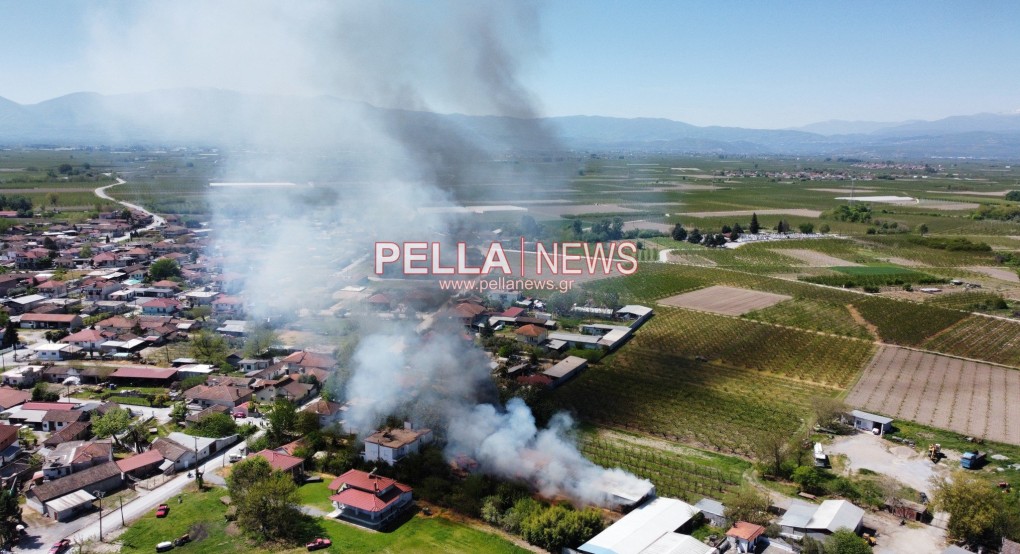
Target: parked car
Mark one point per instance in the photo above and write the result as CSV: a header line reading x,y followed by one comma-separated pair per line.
x,y
182,540
319,543
240,415
60,546
164,546
163,510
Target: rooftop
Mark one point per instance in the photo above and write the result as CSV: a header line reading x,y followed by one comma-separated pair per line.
x,y
636,531
395,438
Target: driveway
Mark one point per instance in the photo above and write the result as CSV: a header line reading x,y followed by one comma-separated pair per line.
x,y
865,451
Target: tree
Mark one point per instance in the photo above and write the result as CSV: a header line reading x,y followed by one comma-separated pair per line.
x,y
977,510
52,198
164,268
41,393
306,423
259,341
754,227
246,473
827,409
179,412
214,426
111,424
209,348
10,335
695,236
85,252
10,517
282,417
200,312
269,508
1013,196
747,504
770,448
807,228
809,478
922,229
824,228
679,233
845,541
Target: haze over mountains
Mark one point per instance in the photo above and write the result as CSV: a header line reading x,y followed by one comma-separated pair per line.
x,y
220,118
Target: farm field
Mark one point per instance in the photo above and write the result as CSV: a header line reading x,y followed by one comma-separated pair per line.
x,y
984,338
972,398
724,300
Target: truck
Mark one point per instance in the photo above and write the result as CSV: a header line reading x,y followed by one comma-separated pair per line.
x,y
821,460
972,460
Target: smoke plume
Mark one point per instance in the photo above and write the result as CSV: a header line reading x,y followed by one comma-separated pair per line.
x,y
335,101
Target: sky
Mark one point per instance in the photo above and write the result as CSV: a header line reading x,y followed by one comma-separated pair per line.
x,y
748,64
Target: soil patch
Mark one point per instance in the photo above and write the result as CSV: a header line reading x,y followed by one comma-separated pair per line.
x,y
724,300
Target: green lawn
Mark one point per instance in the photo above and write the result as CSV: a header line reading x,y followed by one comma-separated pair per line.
x,y
419,534
316,495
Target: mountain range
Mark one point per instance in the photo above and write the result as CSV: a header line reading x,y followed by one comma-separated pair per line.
x,y
221,118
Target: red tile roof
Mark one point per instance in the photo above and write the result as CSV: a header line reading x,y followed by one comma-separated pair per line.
x,y
531,331
6,432
280,461
51,318
12,397
540,380
746,531
361,480
144,373
162,303
310,359
323,407
367,501
513,312
151,456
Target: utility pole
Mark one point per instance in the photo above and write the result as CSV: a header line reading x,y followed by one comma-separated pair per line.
x,y
122,524
100,494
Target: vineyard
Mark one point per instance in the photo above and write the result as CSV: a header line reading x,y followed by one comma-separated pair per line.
x,y
673,475
982,338
718,407
812,315
873,276
905,323
801,355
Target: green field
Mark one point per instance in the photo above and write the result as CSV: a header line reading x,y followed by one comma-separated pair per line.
x,y
419,534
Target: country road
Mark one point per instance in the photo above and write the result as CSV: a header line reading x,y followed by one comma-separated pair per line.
x,y
157,221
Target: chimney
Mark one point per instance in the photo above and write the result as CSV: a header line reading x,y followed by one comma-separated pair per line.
x,y
375,485
408,425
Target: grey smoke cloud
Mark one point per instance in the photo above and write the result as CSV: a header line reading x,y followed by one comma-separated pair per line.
x,y
370,171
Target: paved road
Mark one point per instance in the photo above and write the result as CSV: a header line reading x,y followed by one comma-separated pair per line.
x,y
157,221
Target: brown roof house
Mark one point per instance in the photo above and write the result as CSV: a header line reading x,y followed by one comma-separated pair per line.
x,y
223,395
63,498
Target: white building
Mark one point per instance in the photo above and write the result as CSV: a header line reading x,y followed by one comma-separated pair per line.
x,y
390,445
650,528
818,522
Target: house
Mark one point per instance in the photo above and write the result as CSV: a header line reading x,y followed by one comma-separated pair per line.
x,y
226,305
328,412
369,500
531,334
161,306
181,451
79,430
53,289
743,536
55,420
99,289
23,376
820,521
25,303
224,395
75,456
390,445
10,447
104,259
88,339
10,398
280,461
650,527
295,392
565,369
252,364
60,373
869,423
51,321
467,313
713,511
196,417
144,376
634,313
302,360
57,499
141,465
32,413
53,351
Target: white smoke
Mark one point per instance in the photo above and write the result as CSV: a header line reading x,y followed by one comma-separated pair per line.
x,y
371,171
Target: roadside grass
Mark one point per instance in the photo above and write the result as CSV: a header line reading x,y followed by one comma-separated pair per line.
x,y
418,534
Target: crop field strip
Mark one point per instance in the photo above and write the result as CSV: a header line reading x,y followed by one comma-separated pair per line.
x,y
973,398
980,337
724,300
718,407
673,475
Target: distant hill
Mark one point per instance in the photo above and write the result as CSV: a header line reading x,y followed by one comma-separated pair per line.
x,y
218,117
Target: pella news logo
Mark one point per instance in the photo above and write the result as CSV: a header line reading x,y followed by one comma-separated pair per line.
x,y
558,258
